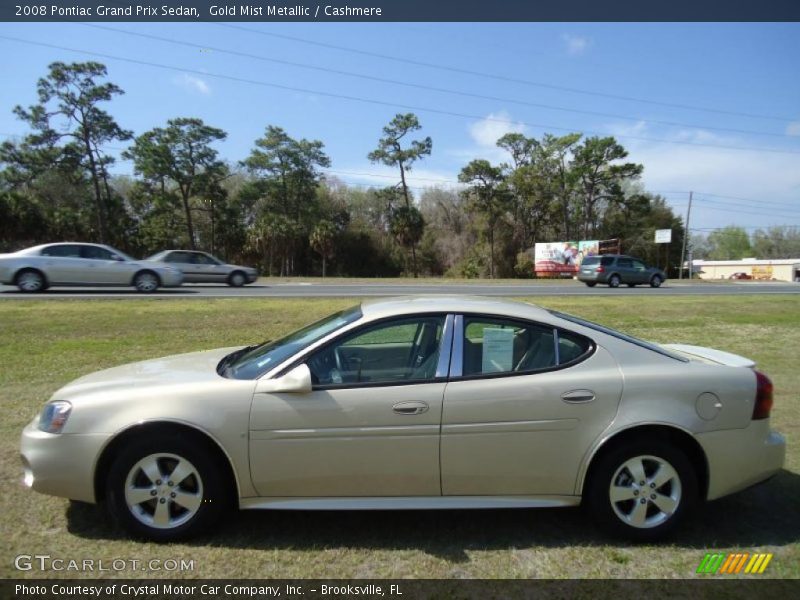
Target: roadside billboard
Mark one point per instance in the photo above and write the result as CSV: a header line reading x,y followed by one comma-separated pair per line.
x,y
562,259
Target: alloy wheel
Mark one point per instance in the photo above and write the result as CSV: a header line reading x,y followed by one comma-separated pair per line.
x,y
163,490
645,491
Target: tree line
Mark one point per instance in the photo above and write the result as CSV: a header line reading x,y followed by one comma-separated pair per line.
x,y
278,209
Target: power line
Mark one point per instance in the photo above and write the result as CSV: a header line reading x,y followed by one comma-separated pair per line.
x,y
500,77
394,105
428,87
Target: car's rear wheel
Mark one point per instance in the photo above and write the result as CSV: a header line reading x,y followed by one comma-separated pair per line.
x,y
614,281
165,490
642,490
656,281
146,282
237,279
30,281
590,283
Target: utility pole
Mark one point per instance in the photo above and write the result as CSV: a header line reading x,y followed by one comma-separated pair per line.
x,y
685,237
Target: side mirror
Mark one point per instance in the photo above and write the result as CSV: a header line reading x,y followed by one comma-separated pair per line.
x,y
117,257
296,381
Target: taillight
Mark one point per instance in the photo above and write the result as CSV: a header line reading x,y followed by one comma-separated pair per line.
x,y
763,396
600,269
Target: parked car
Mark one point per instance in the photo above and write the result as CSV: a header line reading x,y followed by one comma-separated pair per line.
x,y
741,275
412,403
201,267
616,269
78,264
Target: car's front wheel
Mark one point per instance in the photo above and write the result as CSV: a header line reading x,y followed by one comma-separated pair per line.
x,y
237,279
641,491
146,282
30,281
165,490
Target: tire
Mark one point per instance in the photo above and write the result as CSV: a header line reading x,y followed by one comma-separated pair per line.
x,y
590,283
30,281
149,509
614,281
237,279
146,282
648,512
631,285
656,281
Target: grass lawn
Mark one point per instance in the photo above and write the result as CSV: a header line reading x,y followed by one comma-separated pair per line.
x,y
46,344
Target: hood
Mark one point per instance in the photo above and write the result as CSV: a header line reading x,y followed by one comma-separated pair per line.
x,y
198,368
710,355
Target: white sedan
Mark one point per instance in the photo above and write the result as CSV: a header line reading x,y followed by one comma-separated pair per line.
x,y
81,264
412,403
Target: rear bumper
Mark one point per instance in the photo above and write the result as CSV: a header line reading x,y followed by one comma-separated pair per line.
x,y
592,277
739,458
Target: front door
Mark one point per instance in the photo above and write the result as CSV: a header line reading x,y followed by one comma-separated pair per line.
x,y
370,427
526,405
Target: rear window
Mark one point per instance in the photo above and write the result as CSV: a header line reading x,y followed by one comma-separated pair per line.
x,y
591,260
619,335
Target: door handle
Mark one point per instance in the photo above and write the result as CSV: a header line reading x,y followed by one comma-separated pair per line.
x,y
410,408
576,396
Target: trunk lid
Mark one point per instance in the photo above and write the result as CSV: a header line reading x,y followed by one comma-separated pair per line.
x,y
711,356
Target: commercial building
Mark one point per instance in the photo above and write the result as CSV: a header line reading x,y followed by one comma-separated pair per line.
x,y
786,269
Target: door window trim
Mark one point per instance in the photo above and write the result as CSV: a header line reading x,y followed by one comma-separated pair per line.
x,y
442,368
457,361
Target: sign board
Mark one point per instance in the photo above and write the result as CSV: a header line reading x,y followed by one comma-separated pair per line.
x,y
663,236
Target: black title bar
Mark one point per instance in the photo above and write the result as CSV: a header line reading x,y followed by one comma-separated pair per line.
x,y
400,10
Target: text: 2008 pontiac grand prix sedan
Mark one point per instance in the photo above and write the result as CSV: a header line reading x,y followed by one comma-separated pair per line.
x,y
412,403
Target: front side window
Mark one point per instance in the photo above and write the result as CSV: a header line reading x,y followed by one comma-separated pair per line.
x,y
401,350
95,253
254,361
624,263
203,259
638,265
493,345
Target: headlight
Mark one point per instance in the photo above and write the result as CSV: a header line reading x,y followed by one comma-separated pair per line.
x,y
54,416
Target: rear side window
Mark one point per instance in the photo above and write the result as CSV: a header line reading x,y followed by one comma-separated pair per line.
x,y
63,250
571,346
607,261
504,346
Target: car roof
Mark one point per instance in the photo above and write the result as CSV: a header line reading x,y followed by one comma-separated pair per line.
x,y
385,307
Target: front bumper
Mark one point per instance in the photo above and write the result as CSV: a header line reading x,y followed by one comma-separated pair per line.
x,y
251,277
739,458
60,464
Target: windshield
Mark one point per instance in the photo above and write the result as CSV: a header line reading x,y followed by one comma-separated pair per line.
x,y
253,361
619,335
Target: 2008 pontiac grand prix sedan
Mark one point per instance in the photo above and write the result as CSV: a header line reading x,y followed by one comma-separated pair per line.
x,y
412,403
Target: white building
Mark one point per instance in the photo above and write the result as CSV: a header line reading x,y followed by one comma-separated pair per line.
x,y
786,269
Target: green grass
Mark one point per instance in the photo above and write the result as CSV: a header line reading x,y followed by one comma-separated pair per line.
x,y
46,344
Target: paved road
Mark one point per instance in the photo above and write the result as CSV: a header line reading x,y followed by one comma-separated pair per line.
x,y
318,290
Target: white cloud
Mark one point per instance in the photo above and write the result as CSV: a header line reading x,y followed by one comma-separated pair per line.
x,y
766,177
793,128
193,83
487,131
576,44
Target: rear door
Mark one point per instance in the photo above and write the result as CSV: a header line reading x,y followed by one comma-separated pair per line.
x,y
63,264
524,404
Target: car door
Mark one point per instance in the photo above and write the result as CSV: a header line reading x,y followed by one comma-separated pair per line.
x,y
184,262
208,268
101,268
624,267
62,264
640,272
524,404
369,427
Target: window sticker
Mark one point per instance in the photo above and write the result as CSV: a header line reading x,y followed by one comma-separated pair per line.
x,y
498,350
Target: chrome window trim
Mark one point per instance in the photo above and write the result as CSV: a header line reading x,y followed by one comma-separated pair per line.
x,y
457,353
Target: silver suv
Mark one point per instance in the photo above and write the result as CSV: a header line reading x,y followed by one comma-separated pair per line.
x,y
615,269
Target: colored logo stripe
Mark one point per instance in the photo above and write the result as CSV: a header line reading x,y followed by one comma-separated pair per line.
x,y
731,564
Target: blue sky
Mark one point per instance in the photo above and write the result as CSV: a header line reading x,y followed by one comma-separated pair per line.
x,y
749,69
